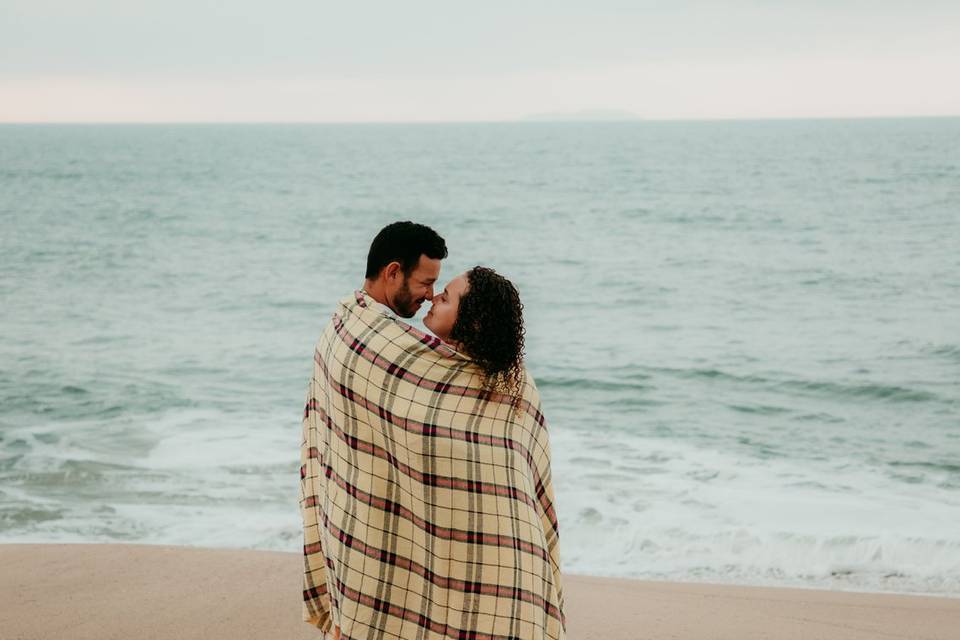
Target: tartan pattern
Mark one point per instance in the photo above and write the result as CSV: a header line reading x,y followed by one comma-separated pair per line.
x,y
427,502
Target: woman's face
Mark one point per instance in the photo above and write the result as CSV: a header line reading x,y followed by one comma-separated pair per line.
x,y
443,312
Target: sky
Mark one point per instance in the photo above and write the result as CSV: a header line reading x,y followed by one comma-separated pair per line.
x,y
433,61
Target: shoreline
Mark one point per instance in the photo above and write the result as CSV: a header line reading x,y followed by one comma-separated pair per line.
x,y
101,591
651,581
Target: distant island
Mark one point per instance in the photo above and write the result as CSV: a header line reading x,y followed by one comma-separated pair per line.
x,y
584,115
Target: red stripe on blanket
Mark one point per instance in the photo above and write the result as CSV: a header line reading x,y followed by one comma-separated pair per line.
x,y
464,586
446,533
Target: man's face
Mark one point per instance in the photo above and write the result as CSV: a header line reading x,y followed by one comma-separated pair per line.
x,y
407,293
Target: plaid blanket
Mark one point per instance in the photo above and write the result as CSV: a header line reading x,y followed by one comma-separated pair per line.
x,y
427,502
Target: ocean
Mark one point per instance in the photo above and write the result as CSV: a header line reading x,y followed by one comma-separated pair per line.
x,y
746,334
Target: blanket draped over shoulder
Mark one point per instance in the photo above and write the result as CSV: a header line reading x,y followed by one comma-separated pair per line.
x,y
427,502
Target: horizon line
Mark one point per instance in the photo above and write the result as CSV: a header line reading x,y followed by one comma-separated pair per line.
x,y
522,120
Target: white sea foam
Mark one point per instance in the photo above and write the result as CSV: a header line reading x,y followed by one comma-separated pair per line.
x,y
663,509
629,506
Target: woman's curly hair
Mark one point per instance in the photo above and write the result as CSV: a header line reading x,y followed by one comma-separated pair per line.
x,y
489,327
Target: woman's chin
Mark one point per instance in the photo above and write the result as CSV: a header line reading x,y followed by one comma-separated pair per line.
x,y
443,335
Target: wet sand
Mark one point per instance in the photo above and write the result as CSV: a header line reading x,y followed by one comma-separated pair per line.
x,y
100,592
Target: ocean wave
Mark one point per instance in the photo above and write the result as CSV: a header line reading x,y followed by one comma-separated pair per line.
x,y
890,393
820,416
78,400
949,467
43,174
592,384
759,409
949,351
864,563
694,512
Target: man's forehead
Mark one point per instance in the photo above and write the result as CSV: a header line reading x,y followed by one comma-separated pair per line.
x,y
427,268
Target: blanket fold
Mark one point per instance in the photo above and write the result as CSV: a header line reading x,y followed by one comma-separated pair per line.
x,y
427,501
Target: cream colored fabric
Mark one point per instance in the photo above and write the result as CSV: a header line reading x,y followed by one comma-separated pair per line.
x,y
427,502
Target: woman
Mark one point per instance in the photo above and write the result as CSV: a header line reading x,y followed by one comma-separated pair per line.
x,y
480,314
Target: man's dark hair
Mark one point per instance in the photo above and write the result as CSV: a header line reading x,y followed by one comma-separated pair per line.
x,y
404,242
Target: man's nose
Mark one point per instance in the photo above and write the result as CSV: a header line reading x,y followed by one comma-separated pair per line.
x,y
429,294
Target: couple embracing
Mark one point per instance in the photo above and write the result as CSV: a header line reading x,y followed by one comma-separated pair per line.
x,y
425,479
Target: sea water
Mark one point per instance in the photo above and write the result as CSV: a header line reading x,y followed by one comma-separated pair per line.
x,y
746,334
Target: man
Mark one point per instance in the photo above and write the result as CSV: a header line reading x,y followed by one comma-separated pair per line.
x,y
402,267
403,264
427,499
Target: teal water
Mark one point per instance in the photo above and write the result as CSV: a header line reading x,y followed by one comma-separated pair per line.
x,y
746,334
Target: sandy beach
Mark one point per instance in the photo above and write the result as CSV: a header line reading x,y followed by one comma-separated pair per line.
x,y
104,591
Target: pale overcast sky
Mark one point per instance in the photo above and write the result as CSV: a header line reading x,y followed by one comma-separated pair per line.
x,y
318,61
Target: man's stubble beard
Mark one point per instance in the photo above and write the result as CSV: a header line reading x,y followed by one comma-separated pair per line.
x,y
403,302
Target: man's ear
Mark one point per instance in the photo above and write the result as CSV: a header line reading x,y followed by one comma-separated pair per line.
x,y
392,270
